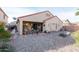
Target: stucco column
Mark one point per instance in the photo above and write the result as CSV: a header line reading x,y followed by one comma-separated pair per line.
x,y
21,27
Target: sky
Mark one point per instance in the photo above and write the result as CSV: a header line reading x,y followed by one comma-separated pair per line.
x,y
39,3
62,12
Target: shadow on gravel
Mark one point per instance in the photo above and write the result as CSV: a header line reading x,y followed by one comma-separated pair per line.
x,y
41,42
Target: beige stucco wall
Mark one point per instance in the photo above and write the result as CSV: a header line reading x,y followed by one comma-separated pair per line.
x,y
2,17
53,24
18,27
6,19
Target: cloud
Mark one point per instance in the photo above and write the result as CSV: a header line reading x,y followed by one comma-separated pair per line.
x,y
17,11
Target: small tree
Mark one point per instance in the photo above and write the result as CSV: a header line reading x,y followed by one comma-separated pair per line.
x,y
77,13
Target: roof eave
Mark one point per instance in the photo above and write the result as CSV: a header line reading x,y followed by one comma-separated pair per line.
x,y
3,12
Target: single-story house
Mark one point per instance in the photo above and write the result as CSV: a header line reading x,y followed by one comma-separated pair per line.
x,y
3,16
42,21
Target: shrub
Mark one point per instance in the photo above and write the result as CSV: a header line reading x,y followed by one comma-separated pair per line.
x,y
4,38
4,35
2,27
76,36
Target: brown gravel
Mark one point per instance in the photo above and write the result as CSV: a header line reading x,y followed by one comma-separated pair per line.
x,y
70,48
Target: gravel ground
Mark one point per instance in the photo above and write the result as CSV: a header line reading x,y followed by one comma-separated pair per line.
x,y
41,42
69,48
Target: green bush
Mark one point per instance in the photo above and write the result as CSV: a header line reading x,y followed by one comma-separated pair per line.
x,y
4,35
2,27
76,36
4,39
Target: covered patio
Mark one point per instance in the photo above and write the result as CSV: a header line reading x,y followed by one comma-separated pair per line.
x,y
32,27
